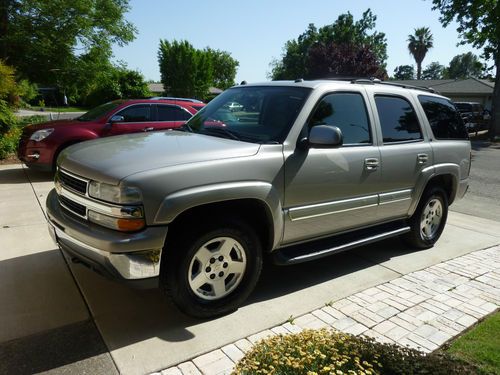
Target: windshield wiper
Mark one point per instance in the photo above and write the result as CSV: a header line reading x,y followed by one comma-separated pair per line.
x,y
221,131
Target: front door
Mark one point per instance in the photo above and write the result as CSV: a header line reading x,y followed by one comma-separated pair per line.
x,y
136,118
335,189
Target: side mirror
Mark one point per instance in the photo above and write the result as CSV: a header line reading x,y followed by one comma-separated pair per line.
x,y
116,118
325,136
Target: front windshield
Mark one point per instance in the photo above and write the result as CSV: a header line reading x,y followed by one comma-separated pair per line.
x,y
259,114
100,111
464,107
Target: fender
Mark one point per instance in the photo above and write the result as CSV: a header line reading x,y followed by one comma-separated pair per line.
x,y
431,172
176,203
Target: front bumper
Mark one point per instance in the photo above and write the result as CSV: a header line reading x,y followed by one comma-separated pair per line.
x,y
36,155
116,255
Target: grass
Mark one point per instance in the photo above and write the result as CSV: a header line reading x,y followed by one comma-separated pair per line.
x,y
60,109
481,345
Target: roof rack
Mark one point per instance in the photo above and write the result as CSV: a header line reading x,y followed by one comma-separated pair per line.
x,y
373,81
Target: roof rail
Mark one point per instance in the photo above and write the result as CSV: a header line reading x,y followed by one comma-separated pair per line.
x,y
426,89
373,81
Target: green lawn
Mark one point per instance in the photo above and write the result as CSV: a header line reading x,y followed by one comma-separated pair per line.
x,y
60,109
481,345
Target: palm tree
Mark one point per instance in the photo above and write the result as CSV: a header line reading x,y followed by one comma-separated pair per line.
x,y
418,45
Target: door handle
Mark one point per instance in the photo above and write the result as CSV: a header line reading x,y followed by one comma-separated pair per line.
x,y
147,129
371,164
422,158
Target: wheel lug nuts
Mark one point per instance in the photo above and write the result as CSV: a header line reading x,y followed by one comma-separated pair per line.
x,y
221,258
212,276
212,260
221,274
208,269
225,265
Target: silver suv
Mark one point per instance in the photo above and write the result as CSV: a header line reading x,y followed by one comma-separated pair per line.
x,y
303,170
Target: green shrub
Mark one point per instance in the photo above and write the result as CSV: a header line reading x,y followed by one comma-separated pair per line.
x,y
329,352
11,133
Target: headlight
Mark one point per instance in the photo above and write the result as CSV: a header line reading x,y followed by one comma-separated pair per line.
x,y
41,134
114,194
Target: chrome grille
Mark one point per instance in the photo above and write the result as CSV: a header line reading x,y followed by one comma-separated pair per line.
x,y
73,207
71,182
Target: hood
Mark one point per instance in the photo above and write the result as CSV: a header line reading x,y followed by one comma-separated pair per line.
x,y
113,158
54,124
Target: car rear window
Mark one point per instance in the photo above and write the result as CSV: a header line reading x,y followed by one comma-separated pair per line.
x,y
443,118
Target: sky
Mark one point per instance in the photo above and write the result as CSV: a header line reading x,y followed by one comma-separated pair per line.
x,y
254,32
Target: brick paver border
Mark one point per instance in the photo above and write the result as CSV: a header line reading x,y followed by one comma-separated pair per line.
x,y
422,310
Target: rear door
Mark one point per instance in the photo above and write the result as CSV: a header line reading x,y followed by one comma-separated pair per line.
x,y
404,151
170,116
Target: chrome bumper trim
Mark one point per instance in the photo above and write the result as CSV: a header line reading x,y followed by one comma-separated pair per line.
x,y
130,266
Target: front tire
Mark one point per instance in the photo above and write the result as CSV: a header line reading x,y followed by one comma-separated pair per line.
x,y
211,270
429,219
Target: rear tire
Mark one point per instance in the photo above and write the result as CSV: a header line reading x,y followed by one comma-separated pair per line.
x,y
429,219
211,270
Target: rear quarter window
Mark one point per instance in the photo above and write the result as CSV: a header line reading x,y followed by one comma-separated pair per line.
x,y
443,117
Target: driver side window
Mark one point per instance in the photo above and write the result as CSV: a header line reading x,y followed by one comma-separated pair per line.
x,y
136,113
347,111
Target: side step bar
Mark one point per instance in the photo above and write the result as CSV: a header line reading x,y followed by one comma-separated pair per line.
x,y
321,248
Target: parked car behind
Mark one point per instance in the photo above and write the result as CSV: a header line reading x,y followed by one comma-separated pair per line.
x,y
41,143
474,115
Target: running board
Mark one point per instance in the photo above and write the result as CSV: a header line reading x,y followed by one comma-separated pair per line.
x,y
325,247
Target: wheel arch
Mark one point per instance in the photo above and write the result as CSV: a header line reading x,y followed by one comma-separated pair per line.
x,y
256,202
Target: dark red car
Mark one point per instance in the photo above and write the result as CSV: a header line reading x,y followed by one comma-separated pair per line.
x,y
41,143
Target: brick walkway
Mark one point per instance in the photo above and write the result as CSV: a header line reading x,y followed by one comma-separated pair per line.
x,y
423,310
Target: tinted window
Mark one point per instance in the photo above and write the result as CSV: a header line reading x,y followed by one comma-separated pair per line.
x,y
398,119
172,113
136,113
464,107
444,119
346,111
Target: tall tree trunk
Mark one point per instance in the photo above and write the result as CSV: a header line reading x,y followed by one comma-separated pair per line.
x,y
495,107
4,24
419,70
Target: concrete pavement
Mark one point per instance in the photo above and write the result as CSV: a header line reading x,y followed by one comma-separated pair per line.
x,y
141,330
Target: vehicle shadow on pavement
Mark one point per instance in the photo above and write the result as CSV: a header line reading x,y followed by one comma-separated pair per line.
x,y
277,281
22,175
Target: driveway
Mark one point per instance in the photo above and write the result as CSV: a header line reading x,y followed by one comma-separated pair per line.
x,y
45,298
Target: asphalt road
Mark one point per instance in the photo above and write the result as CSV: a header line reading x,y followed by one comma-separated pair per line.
x,y
483,196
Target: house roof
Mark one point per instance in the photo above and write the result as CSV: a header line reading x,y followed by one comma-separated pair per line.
x,y
450,87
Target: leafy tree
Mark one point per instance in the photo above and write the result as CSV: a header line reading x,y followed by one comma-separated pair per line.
x,y
118,83
185,71
343,60
434,71
418,45
478,24
465,66
224,68
8,86
404,72
47,40
344,31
